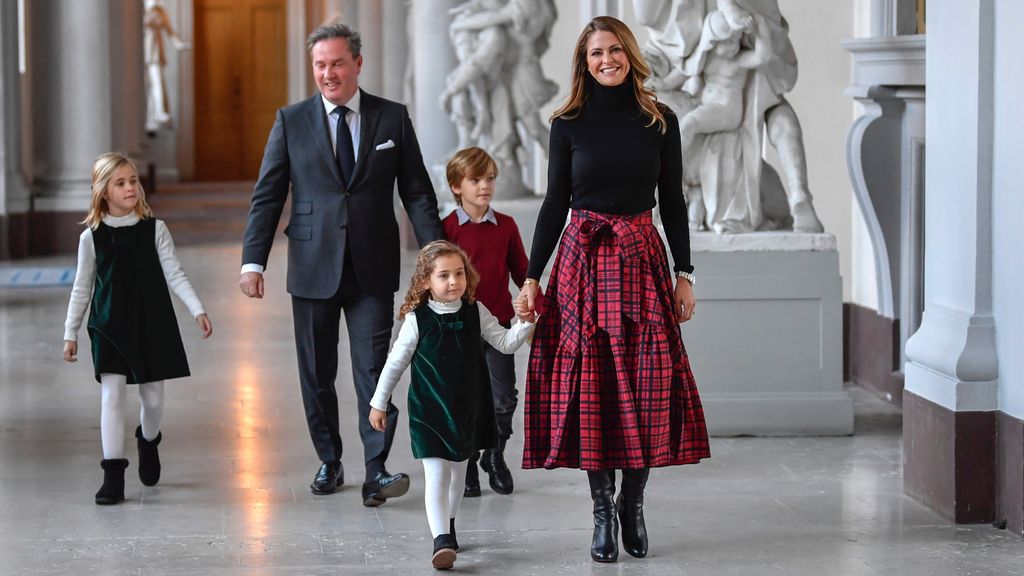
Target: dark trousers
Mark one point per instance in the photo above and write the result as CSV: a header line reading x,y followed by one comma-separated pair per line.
x,y
502,368
369,319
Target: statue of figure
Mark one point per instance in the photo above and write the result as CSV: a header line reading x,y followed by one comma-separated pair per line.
x,y
499,80
157,23
470,87
724,67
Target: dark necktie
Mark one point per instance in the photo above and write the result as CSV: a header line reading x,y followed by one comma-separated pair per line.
x,y
343,146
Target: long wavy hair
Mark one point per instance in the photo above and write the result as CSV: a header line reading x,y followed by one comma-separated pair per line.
x,y
639,71
103,170
419,286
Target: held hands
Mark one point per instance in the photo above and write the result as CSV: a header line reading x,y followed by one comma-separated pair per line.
x,y
70,351
378,419
684,300
251,284
525,303
205,325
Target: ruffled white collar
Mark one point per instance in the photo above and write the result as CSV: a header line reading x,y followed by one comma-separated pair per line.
x,y
445,307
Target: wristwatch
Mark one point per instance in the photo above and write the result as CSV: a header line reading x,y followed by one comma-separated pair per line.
x,y
687,276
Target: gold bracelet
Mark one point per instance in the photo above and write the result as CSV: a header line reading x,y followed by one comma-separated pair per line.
x,y
529,281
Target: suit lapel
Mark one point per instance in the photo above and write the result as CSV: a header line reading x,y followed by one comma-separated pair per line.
x,y
317,120
369,115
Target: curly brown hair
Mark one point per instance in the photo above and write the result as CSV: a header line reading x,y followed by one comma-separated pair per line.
x,y
418,287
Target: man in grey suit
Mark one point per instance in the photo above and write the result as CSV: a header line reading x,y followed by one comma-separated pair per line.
x,y
341,153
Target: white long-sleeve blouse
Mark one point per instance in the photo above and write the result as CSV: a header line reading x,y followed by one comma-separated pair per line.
x,y
85,276
505,340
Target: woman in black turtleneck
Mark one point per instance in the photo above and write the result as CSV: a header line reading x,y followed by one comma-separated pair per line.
x,y
609,385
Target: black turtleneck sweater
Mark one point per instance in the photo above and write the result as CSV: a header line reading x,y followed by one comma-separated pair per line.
x,y
608,160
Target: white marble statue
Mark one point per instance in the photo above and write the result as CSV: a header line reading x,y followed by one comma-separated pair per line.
x,y
724,67
157,23
498,87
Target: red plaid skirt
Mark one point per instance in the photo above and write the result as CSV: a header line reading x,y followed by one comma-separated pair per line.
x,y
609,383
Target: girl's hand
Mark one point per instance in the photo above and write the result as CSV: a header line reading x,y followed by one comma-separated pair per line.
x,y
70,351
378,419
205,325
685,300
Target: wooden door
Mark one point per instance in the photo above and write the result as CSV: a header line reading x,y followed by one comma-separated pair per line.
x,y
241,80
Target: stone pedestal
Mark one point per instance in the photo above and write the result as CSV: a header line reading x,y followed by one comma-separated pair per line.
x,y
766,345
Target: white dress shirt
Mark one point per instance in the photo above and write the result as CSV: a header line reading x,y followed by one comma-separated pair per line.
x,y
504,340
85,276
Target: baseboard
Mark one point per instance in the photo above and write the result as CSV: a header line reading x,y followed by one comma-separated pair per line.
x,y
871,352
950,460
1010,473
13,236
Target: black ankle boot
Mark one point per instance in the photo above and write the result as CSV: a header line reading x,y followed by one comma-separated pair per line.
x,y
472,477
444,552
451,530
605,547
631,511
493,462
149,458
112,490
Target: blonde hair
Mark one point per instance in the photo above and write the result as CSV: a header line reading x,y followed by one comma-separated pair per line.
x,y
472,162
418,292
639,71
103,170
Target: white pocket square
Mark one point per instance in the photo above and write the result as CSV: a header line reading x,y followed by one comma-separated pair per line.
x,y
386,145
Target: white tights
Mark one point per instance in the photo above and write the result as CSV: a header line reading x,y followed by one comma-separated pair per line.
x,y
444,483
112,405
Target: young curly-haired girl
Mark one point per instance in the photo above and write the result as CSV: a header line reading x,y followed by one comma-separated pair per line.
x,y
451,413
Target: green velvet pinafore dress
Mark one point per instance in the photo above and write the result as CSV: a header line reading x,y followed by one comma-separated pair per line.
x,y
131,319
451,410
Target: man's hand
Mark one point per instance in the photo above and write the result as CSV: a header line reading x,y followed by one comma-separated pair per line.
x,y
251,284
378,419
70,351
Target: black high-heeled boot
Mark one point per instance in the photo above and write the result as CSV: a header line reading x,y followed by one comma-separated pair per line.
x,y
605,547
112,490
631,511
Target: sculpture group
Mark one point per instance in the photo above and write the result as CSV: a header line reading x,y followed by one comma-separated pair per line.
x,y
495,93
723,66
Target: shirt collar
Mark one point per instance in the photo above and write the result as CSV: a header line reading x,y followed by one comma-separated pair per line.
x,y
353,103
128,219
464,217
444,307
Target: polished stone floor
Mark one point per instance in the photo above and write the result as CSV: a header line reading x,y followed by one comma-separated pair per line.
x,y
234,497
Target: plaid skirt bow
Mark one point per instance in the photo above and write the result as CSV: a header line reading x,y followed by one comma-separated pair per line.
x,y
609,383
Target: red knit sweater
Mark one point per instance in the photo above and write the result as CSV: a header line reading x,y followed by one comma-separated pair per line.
x,y
497,253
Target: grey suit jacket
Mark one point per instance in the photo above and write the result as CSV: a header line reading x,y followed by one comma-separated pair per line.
x,y
328,217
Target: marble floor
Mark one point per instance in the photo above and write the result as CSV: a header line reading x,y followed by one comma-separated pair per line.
x,y
234,496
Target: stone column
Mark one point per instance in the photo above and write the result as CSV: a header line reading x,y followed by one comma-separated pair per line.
x,y
590,9
14,195
127,76
396,48
371,29
433,59
73,114
949,424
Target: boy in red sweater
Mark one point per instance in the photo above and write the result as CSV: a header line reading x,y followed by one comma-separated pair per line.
x,y
492,241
